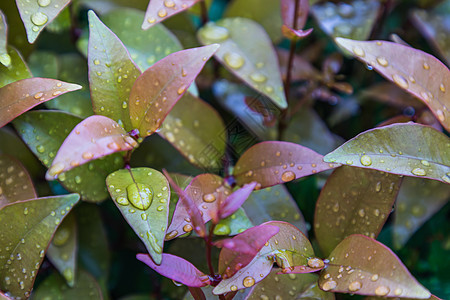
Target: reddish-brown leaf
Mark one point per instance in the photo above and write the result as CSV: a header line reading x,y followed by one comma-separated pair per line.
x,y
293,34
288,13
159,10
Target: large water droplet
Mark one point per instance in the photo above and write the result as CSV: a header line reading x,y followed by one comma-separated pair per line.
x,y
382,61
39,18
382,290
329,285
400,81
248,281
288,176
315,263
359,51
258,77
209,198
44,3
419,172
140,195
214,33
366,160
233,60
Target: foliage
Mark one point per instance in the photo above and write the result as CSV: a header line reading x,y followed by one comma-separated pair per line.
x,y
232,147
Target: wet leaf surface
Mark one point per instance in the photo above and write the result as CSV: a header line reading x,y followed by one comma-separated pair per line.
x,y
232,203
361,265
18,69
417,201
15,182
142,195
112,73
427,78
246,51
404,149
38,14
170,78
5,59
288,13
353,200
21,96
31,225
271,163
159,10
234,224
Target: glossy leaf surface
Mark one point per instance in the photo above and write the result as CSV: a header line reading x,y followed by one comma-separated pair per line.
x,y
169,79
247,52
16,71
353,200
112,73
271,163
31,224
159,10
361,265
142,195
288,12
92,138
5,59
38,14
405,149
234,224
21,96
427,78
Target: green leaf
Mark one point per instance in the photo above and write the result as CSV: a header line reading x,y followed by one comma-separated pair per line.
x,y
404,149
54,287
417,201
361,265
38,14
142,196
159,10
17,36
61,23
17,71
169,77
5,59
21,96
15,182
4,297
234,224
197,131
62,251
31,225
112,73
247,52
427,78
353,200
45,131
44,64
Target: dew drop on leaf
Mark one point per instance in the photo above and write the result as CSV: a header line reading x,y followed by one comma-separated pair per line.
x,y
248,281
39,18
354,286
382,290
419,172
44,3
329,285
288,176
400,81
233,60
214,33
366,160
140,195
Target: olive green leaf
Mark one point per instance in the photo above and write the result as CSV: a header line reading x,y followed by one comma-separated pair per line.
x,y
15,182
427,78
405,149
417,201
62,251
31,225
234,224
159,10
4,297
44,133
353,200
17,36
62,22
142,196
54,287
16,71
38,14
5,59
361,265
112,73
197,131
44,64
247,52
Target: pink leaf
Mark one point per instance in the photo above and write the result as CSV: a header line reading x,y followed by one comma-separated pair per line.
x,y
159,10
177,269
288,11
235,200
293,34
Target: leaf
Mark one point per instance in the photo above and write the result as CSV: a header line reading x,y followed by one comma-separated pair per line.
x,y
54,287
295,34
38,14
112,73
5,59
4,297
169,77
15,182
44,64
62,251
142,195
45,131
288,8
418,200
197,131
427,78
361,265
21,96
235,200
247,52
159,10
18,69
234,224
31,224
92,138
61,23
353,200
351,20
404,149
178,269
271,163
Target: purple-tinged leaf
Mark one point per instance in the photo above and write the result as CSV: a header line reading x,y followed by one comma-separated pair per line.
x,y
112,73
169,79
353,200
30,226
235,200
15,182
271,163
433,297
142,195
159,10
5,59
21,96
247,52
295,34
4,297
417,201
16,71
404,149
302,69
38,14
427,78
361,265
92,138
177,269
391,94
288,12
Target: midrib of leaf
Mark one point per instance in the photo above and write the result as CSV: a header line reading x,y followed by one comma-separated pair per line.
x,y
137,187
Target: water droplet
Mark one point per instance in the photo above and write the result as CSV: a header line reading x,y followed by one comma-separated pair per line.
x,y
354,286
378,186
382,290
366,160
248,281
153,242
40,149
315,263
140,195
114,146
87,155
329,285
349,162
96,62
124,104
374,277
400,81
38,95
288,176
162,13
169,3
56,169
209,198
39,18
214,33
419,172
181,90
258,77
440,115
446,178
234,60
398,291
442,87
336,207
187,228
382,61
426,66
122,201
77,179
44,3
361,213
359,51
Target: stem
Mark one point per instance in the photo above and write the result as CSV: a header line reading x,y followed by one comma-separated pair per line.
x,y
222,297
204,12
208,243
